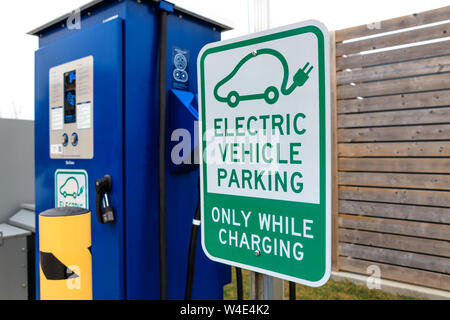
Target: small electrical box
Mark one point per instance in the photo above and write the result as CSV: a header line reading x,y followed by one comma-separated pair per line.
x,y
14,261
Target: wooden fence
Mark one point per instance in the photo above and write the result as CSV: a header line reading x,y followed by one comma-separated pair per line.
x,y
391,112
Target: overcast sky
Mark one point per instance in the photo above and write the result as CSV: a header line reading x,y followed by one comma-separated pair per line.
x,y
19,17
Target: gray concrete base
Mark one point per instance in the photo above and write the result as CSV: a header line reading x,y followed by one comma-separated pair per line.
x,y
394,287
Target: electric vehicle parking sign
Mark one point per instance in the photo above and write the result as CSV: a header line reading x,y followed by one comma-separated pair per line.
x,y
264,110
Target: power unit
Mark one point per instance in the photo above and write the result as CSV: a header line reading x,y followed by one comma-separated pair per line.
x,y
97,136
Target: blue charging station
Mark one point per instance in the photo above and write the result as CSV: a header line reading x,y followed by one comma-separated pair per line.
x,y
96,116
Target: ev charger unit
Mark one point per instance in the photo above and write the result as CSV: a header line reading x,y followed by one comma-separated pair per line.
x,y
113,80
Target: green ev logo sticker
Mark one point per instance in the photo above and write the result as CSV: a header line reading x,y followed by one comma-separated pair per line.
x,y
271,94
70,188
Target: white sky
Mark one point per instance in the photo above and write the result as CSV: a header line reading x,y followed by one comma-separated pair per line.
x,y
19,17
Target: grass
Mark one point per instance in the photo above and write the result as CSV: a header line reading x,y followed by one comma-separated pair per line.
x,y
332,290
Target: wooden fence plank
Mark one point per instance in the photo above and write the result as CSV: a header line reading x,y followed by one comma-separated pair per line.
x,y
395,149
409,228
414,276
395,211
391,118
396,102
411,36
401,196
405,85
417,165
396,70
407,259
403,133
395,180
390,241
396,55
408,21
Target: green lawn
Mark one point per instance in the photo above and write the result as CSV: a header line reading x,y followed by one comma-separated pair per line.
x,y
332,290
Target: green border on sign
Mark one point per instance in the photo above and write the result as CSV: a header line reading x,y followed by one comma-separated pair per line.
x,y
309,274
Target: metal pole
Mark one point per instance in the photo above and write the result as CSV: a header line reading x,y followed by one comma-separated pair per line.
x,y
263,287
257,286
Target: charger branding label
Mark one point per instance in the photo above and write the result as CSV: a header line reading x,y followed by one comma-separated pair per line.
x,y
71,188
264,115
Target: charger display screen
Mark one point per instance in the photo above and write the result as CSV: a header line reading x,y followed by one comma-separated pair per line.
x,y
70,80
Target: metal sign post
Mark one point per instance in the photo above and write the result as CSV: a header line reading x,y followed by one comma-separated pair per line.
x,y
271,288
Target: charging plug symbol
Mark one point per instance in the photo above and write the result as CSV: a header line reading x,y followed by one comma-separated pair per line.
x,y
180,62
302,75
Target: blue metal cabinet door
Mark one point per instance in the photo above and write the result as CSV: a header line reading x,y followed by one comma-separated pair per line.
x,y
104,43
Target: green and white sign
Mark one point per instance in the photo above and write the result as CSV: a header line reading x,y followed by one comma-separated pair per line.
x,y
264,105
71,188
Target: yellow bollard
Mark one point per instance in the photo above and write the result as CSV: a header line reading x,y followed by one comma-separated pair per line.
x,y
65,257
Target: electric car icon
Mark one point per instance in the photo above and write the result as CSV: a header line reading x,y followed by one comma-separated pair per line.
x,y
271,93
71,188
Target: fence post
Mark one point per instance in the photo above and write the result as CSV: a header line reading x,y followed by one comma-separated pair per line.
x,y
334,158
